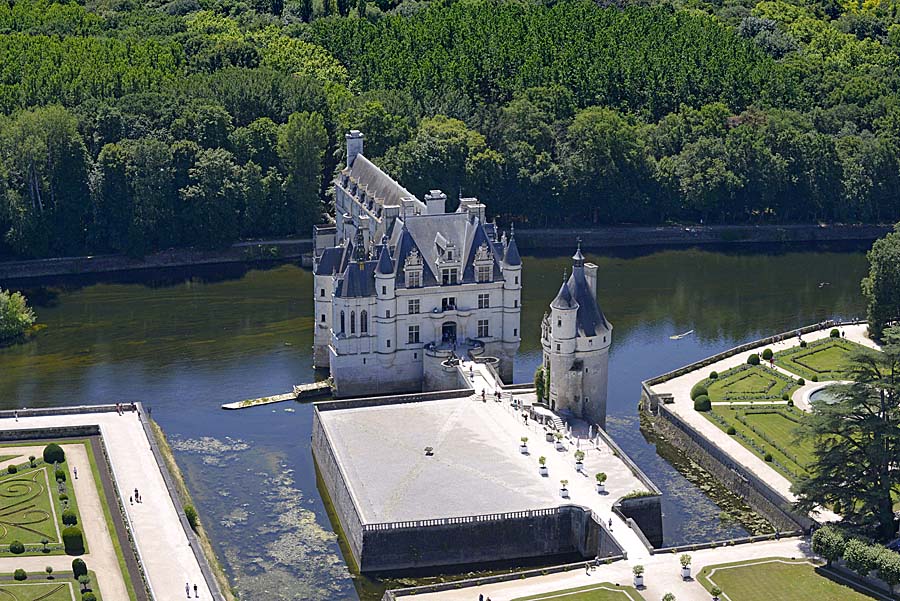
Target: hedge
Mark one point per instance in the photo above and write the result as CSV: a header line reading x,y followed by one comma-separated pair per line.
x,y
702,403
835,333
20,574
767,354
69,517
12,469
79,568
73,540
88,597
16,547
53,453
753,359
697,390
60,475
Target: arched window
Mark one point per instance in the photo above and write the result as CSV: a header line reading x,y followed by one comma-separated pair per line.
x,y
353,322
363,322
342,322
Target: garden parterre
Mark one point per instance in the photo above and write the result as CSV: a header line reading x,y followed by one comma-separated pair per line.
x,y
821,360
778,578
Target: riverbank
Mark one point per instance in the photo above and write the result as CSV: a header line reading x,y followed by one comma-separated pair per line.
x,y
528,240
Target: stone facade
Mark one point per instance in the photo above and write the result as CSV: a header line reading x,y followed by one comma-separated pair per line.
x,y
575,337
397,279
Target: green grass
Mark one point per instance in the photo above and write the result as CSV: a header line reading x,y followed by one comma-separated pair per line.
x,y
790,458
826,359
603,591
37,587
774,578
30,508
7,457
750,383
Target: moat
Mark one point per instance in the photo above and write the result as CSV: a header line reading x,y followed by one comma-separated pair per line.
x,y
185,342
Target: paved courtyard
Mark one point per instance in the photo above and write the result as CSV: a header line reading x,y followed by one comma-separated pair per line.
x,y
162,543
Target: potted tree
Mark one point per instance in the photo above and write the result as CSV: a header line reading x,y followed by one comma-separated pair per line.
x,y
559,443
563,491
548,434
638,572
715,591
542,470
524,448
668,597
579,461
601,479
685,560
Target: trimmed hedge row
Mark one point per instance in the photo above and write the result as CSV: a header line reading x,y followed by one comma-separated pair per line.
x,y
860,556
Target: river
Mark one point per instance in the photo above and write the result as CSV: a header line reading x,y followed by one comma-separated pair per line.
x,y
183,342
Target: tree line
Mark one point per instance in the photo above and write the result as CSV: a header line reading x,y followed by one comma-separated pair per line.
x,y
128,127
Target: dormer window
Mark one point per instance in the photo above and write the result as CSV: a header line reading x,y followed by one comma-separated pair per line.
x,y
484,264
449,276
484,273
412,269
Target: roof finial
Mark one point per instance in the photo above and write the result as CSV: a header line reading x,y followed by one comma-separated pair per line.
x,y
512,230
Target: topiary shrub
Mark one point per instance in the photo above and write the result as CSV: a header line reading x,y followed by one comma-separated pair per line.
x,y
801,382
20,574
802,344
73,540
753,359
713,375
69,517
53,453
60,474
88,597
768,457
790,402
63,497
731,431
79,568
698,390
815,378
767,354
785,396
16,547
191,514
702,403
835,333
12,469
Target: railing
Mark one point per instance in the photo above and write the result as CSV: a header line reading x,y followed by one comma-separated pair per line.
x,y
468,519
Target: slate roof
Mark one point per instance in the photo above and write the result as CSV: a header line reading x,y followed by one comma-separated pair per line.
x,y
358,280
512,253
330,261
589,317
385,265
376,183
563,298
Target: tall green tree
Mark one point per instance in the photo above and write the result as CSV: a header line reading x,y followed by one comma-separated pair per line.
x,y
214,198
856,443
882,286
301,148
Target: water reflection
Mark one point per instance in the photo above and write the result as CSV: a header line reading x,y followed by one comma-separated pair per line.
x,y
193,340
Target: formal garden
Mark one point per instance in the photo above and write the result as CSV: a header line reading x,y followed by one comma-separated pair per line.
x,y
38,509
768,431
76,585
748,383
777,578
821,360
604,591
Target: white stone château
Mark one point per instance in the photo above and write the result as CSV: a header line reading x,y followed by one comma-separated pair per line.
x,y
402,285
575,337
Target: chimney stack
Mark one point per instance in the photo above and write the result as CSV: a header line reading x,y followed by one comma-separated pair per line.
x,y
354,145
435,202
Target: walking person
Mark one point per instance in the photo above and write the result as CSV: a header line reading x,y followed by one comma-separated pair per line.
x,y
187,590
75,471
131,502
196,595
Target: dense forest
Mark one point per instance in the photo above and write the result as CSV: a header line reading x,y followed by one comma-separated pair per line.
x,y
129,126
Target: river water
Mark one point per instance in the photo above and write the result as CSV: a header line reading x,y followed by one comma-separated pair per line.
x,y
184,342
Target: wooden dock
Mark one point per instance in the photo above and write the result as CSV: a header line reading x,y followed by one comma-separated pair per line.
x,y
301,392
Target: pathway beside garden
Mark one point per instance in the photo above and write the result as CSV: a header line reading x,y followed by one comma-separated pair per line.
x,y
167,557
662,574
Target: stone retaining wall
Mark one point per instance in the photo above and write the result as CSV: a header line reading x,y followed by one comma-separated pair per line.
x,y
738,479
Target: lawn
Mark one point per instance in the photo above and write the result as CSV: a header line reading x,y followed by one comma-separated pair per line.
x,y
821,360
767,429
31,508
774,578
7,457
749,383
57,590
604,591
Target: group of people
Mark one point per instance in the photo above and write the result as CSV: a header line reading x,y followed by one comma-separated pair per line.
x,y
136,497
121,408
187,591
